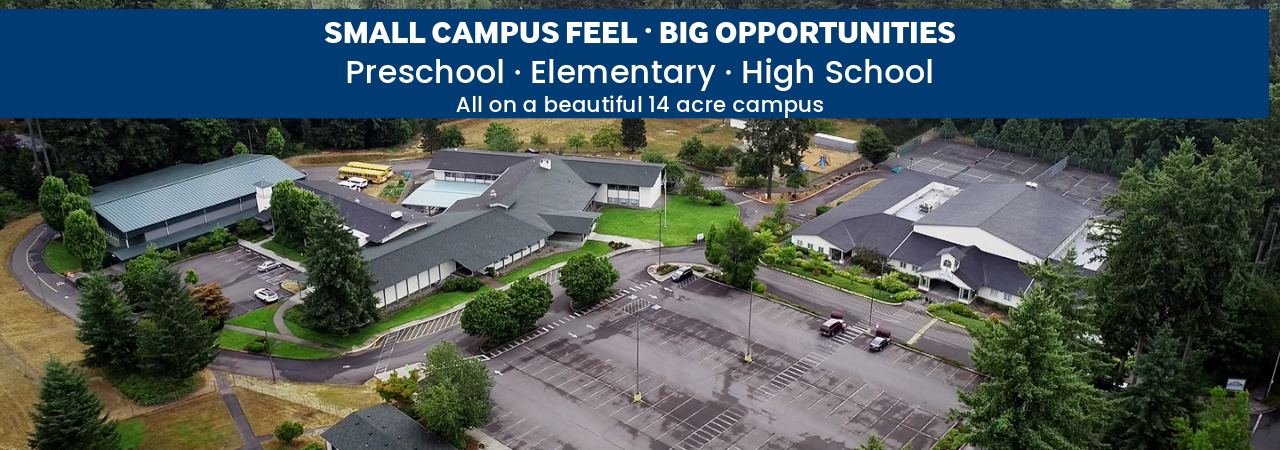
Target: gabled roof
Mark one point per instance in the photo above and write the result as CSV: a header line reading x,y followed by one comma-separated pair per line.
x,y
382,427
475,161
144,200
862,222
976,268
367,214
591,170
1033,219
569,222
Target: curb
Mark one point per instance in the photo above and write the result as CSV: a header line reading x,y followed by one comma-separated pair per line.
x,y
882,302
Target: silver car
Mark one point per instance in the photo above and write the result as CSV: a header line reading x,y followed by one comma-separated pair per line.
x,y
268,265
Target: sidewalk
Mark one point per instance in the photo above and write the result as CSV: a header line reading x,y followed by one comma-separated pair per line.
x,y
639,244
270,254
282,337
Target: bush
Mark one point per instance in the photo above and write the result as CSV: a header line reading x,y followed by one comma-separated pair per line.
x,y
468,284
750,182
618,245
855,271
758,287
889,284
823,209
258,345
905,277
957,309
313,446
149,391
287,431
666,269
715,198
909,294
219,239
247,227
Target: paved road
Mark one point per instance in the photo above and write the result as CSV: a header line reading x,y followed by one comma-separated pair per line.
x,y
27,265
1267,434
417,166
806,210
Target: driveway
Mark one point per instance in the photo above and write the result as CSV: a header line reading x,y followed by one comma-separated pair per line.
x,y
26,263
235,269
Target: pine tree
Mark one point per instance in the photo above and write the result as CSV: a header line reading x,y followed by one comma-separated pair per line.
x,y
52,192
275,142
85,239
986,134
1123,159
1153,154
175,340
1034,397
874,145
342,300
1077,148
633,134
69,415
1147,410
948,129
431,135
1053,146
78,183
107,330
1009,134
1100,154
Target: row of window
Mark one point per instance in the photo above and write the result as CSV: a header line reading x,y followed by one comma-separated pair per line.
x,y
623,195
466,177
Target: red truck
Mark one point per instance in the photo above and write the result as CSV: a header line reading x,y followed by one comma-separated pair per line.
x,y
833,326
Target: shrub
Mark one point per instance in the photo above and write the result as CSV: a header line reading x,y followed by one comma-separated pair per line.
x,y
750,182
149,391
618,245
258,345
909,294
962,311
904,277
758,287
313,446
468,284
247,227
889,284
699,269
715,198
823,209
288,430
855,271
666,269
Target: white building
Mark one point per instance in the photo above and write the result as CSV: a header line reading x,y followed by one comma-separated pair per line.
x,y
962,241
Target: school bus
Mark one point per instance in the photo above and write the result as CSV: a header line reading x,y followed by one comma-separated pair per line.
x,y
373,176
376,167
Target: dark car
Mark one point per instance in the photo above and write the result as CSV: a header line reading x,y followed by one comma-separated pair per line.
x,y
681,274
881,340
833,326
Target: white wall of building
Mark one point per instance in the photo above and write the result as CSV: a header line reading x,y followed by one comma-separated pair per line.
x,y
644,197
416,283
650,195
962,236
1001,297
813,242
509,259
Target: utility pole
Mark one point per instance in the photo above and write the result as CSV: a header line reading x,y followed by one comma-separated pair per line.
x,y
1273,376
750,309
270,361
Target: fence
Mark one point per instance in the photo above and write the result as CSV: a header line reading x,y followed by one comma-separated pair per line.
x,y
1052,171
915,142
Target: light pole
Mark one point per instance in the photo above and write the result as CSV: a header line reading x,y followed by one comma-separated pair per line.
x,y
1273,376
270,361
638,397
751,302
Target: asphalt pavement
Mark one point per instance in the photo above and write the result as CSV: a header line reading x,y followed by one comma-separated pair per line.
x,y
235,269
26,263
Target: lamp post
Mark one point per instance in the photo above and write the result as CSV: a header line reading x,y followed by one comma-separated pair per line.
x,y
638,397
751,302
1273,376
270,361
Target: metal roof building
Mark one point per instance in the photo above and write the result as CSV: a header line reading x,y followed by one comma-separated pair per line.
x,y
181,202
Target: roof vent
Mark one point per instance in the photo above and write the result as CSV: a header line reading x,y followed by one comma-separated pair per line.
x,y
545,163
1032,184
493,193
396,215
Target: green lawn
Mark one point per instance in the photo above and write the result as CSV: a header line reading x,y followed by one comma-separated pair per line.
x,y
593,247
258,319
685,219
968,323
423,308
282,250
235,340
59,259
847,284
132,432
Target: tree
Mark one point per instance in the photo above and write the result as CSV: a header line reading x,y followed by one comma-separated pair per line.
x,y
633,134
1164,392
341,300
73,202
431,135
239,149
986,134
736,251
1034,397
208,139
275,144
454,393
143,279
538,139
692,186
191,277
291,209
575,141
213,304
948,129
1222,425
52,192
689,150
451,137
874,145
873,443
776,143
797,179
69,415
531,299
397,390
287,431
78,183
607,137
499,137
489,315
174,341
1180,247
106,329
587,279
85,240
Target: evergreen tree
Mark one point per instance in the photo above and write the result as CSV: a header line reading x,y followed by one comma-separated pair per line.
x,y
1077,147
78,183
873,443
1223,425
107,329
174,341
451,137
779,143
52,192
1053,146
948,129
1009,134
736,251
1100,154
1146,411
986,134
1034,398
1153,154
1123,159
1064,286
342,300
633,134
689,150
874,145
431,135
85,240
275,142
69,415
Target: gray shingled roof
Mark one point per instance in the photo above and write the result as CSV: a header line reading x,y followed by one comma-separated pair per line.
x,y
591,170
862,222
476,161
978,268
367,214
529,191
144,200
1033,219
568,222
382,427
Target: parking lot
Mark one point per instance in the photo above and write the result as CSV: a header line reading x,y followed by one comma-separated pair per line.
x,y
573,386
235,269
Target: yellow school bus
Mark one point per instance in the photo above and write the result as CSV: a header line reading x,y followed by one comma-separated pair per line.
x,y
370,166
373,176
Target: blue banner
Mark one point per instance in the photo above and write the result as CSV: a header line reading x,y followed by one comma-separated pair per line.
x,y
641,63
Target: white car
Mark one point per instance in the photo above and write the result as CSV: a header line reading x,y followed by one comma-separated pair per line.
x,y
266,295
349,185
268,265
360,183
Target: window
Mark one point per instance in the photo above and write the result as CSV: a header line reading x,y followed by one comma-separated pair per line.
x,y
623,195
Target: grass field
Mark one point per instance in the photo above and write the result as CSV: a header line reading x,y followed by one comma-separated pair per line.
x,y
336,400
59,259
971,324
258,319
236,340
423,308
685,219
282,250
264,412
201,423
664,135
593,247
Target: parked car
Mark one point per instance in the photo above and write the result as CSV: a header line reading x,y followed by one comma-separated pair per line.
x,y
349,185
360,183
266,295
681,274
268,265
882,339
833,326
